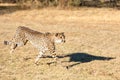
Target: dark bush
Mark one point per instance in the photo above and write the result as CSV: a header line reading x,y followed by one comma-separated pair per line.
x,y
63,3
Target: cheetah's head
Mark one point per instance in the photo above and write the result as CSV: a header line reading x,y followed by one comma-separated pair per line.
x,y
59,38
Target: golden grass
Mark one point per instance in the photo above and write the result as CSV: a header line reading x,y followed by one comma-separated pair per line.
x,y
90,33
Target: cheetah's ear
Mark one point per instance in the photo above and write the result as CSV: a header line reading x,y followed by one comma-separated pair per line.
x,y
56,34
62,33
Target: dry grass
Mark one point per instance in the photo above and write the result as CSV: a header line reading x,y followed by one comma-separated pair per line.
x,y
92,36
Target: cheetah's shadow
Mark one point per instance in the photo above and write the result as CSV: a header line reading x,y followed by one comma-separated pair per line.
x,y
81,58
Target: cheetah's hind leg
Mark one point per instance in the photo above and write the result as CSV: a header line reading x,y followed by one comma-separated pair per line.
x,y
13,47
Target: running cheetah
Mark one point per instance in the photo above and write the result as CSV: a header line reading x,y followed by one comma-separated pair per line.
x,y
42,41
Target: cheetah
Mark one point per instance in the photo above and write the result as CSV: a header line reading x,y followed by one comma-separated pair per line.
x,y
42,41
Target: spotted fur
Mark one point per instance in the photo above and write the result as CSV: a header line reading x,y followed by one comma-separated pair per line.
x,y
42,41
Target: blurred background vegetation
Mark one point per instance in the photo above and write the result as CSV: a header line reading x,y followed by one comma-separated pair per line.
x,y
63,3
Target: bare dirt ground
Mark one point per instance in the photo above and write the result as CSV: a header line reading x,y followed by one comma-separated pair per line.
x,y
91,51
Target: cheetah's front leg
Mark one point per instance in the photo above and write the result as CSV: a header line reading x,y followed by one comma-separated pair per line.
x,y
38,57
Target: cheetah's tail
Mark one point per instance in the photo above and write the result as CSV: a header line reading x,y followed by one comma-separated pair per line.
x,y
7,42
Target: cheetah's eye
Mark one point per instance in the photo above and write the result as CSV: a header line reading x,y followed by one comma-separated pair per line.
x,y
61,37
